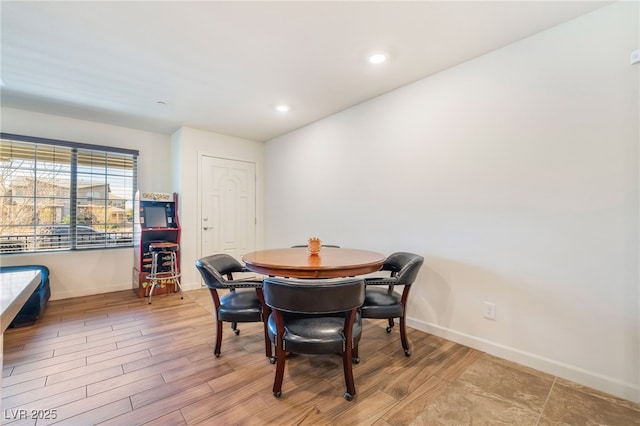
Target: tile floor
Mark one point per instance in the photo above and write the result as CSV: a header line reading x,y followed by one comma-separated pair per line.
x,y
493,391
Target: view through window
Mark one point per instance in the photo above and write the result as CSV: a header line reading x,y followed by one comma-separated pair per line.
x,y
59,195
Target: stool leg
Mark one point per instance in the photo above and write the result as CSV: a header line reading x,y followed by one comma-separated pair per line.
x,y
154,272
166,276
174,272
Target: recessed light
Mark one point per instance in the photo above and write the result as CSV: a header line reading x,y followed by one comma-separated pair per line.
x,y
377,58
283,108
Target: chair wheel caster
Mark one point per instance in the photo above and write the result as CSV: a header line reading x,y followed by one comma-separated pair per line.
x,y
348,396
236,331
389,329
277,394
407,352
272,360
355,360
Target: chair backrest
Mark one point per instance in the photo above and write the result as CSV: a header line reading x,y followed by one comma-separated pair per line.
x,y
313,296
213,269
323,245
403,266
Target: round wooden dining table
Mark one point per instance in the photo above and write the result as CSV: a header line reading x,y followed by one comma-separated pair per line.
x,y
330,262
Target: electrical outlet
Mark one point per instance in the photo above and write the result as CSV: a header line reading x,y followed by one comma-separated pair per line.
x,y
490,310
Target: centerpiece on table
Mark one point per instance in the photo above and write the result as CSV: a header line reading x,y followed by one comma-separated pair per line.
x,y
314,245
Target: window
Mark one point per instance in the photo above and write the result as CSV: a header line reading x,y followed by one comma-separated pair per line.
x,y
58,195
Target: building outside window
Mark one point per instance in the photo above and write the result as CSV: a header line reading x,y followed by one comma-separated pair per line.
x,y
59,195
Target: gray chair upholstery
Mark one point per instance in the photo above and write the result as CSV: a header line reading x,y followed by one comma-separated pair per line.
x,y
315,317
381,301
242,303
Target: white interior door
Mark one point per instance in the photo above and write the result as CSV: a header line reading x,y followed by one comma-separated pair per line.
x,y
228,200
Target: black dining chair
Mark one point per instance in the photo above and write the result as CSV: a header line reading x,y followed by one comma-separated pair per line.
x,y
242,302
315,317
381,301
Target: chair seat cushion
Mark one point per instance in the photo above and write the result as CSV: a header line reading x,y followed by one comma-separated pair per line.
x,y
378,303
314,334
240,306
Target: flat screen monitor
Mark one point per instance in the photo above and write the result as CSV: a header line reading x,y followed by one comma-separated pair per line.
x,y
155,217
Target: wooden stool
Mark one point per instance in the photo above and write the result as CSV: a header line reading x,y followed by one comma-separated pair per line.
x,y
161,249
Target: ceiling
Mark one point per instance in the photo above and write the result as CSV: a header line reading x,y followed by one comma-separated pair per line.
x,y
224,66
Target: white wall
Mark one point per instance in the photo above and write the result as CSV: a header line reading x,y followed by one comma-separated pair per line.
x,y
516,175
188,146
97,271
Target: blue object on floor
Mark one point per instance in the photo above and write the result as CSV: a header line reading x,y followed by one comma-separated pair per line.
x,y
34,306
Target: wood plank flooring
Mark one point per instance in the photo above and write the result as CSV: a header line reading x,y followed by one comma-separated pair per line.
x,y
113,359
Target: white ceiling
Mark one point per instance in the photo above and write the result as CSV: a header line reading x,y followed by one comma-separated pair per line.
x,y
224,66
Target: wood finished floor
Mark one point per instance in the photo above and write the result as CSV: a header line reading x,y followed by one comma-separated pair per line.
x,y
113,359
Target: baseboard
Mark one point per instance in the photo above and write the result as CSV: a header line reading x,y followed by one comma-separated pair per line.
x,y
89,291
575,374
68,294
